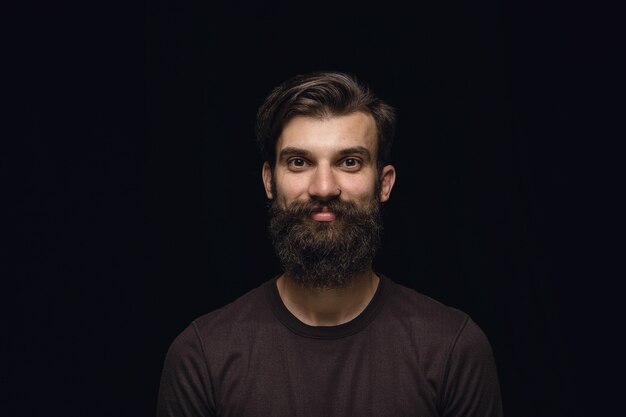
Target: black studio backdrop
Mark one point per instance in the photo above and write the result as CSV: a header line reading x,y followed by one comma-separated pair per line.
x,y
140,205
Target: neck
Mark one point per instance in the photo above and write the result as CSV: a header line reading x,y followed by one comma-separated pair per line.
x,y
328,307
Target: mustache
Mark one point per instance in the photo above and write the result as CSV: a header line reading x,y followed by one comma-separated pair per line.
x,y
302,208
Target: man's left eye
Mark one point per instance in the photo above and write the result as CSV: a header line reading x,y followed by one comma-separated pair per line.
x,y
351,162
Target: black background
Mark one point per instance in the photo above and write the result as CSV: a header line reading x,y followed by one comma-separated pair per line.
x,y
139,204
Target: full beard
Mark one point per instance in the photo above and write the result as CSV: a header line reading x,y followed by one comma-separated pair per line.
x,y
325,254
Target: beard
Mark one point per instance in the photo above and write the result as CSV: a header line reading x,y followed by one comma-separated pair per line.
x,y
325,254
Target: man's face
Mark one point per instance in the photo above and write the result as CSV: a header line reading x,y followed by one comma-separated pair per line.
x,y
326,192
326,159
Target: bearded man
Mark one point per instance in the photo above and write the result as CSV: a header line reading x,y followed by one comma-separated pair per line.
x,y
329,336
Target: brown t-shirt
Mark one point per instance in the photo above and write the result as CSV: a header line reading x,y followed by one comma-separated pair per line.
x,y
404,355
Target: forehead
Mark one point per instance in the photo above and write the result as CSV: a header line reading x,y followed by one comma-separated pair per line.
x,y
329,134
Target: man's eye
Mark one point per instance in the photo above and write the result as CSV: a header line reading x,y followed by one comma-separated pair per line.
x,y
297,162
351,163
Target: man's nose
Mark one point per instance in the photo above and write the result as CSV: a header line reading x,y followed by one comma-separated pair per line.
x,y
323,185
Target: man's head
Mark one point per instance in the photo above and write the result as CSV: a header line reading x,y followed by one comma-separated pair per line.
x,y
326,174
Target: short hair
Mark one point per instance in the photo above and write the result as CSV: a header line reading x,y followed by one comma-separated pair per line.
x,y
322,95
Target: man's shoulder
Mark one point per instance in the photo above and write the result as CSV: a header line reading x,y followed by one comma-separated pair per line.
x,y
251,308
234,324
415,302
423,313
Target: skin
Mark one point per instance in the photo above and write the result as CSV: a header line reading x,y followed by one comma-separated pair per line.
x,y
322,159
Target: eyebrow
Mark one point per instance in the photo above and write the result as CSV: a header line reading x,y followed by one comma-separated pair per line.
x,y
355,150
292,151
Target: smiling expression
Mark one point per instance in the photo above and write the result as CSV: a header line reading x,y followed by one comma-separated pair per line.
x,y
322,159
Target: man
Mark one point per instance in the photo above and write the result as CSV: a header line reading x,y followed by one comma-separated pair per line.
x,y
329,337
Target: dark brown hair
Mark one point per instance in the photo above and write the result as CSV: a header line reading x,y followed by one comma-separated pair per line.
x,y
322,95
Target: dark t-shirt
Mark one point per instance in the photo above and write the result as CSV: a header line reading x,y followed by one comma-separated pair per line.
x,y
404,355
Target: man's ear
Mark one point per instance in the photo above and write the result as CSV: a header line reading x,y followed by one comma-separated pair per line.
x,y
387,179
267,179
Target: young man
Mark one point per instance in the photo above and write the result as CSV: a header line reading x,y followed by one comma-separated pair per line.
x,y
329,337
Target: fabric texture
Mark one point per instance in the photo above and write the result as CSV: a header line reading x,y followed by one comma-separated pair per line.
x,y
404,355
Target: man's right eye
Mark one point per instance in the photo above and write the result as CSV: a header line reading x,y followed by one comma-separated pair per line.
x,y
297,163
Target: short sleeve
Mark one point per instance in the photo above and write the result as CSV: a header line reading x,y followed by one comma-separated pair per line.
x,y
471,387
185,389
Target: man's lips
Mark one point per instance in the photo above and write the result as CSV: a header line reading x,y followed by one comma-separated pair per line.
x,y
323,215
